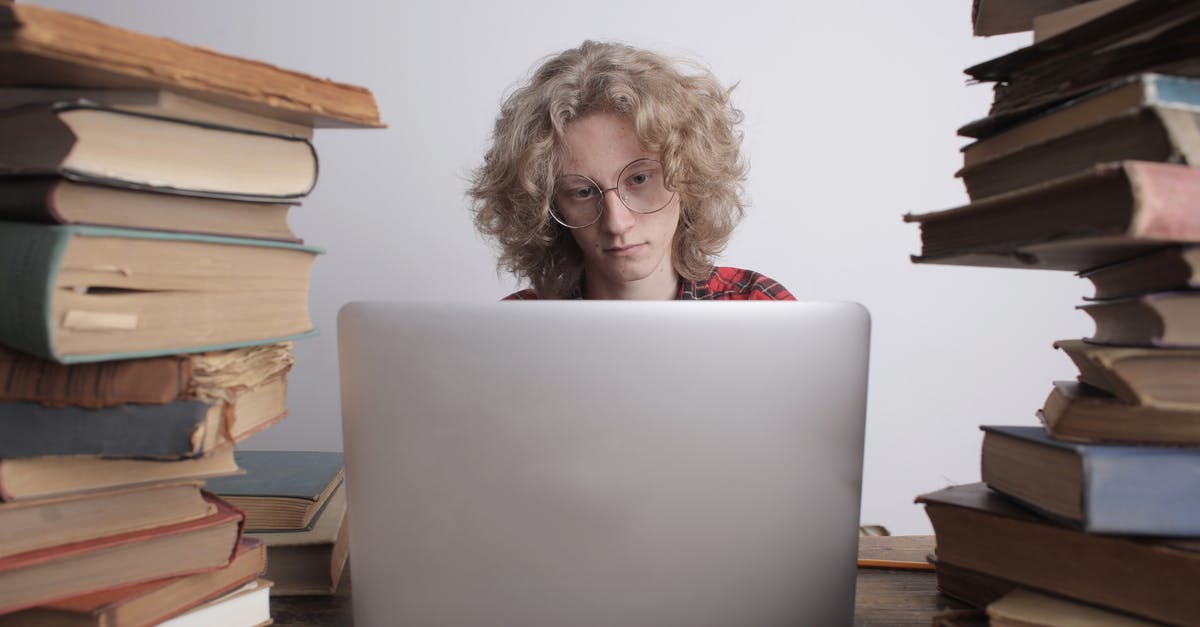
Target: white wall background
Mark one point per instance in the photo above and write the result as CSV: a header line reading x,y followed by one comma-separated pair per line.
x,y
851,109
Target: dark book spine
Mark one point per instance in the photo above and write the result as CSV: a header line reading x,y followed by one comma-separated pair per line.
x,y
172,430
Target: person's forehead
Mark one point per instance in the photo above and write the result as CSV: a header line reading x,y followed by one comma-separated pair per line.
x,y
600,144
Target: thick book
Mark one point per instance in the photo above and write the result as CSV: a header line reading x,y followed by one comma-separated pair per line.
x,y
1172,268
281,490
41,523
248,606
47,575
1081,413
1121,97
79,293
175,430
1099,488
59,200
1167,319
214,375
1026,608
148,603
1151,132
982,531
971,587
1138,376
1146,36
164,102
312,561
1000,17
1105,214
1054,23
89,142
42,477
41,47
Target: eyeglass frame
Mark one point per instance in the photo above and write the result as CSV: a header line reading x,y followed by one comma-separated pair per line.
x,y
600,204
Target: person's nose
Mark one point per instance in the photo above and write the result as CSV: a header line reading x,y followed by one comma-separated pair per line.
x,y
616,217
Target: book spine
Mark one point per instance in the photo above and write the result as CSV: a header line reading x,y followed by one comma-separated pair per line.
x,y
1150,492
173,430
1167,197
29,259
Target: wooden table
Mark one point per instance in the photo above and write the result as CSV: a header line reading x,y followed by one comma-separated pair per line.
x,y
891,597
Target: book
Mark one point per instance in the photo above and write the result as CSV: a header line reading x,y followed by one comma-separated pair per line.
x,y
1168,134
1099,488
58,200
1138,376
1026,608
89,142
1170,319
1081,413
1047,25
971,587
248,606
1105,214
41,477
174,430
164,102
80,293
1119,98
215,375
1173,268
47,575
1000,17
281,490
982,531
148,603
42,47
1144,36
312,561
41,523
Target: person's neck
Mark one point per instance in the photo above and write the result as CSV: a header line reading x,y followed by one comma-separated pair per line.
x,y
661,285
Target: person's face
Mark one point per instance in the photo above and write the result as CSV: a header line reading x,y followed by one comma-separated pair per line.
x,y
622,248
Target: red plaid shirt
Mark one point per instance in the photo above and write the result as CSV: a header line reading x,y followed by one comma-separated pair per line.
x,y
723,283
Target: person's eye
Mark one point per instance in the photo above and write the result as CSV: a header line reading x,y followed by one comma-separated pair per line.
x,y
641,178
583,193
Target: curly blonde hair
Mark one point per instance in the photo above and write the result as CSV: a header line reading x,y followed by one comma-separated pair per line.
x,y
684,116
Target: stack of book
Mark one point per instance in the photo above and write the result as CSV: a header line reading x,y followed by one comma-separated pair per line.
x,y
1087,162
150,290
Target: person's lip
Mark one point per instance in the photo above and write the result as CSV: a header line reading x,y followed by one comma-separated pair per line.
x,y
622,251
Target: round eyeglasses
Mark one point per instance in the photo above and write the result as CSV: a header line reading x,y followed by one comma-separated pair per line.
x,y
578,201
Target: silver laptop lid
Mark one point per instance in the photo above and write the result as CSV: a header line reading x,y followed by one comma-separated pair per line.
x,y
558,464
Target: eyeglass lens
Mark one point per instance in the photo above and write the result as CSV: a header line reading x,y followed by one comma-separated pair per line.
x,y
578,201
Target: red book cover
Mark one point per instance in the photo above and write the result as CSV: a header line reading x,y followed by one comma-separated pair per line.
x,y
44,575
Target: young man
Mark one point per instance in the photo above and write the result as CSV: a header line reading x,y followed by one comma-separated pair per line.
x,y
614,174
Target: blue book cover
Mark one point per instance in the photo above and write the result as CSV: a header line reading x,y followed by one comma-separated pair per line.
x,y
1122,489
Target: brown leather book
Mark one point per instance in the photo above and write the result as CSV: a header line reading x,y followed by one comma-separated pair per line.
x,y
217,375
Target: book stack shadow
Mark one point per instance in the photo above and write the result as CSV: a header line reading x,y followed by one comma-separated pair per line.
x,y
150,294
1086,163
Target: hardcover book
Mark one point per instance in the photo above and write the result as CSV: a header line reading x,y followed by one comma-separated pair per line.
x,y
58,200
41,523
42,47
1139,376
215,375
90,143
1099,488
80,293
40,477
47,575
1106,214
1166,134
149,603
982,531
1169,319
1174,268
1078,412
312,561
281,490
174,430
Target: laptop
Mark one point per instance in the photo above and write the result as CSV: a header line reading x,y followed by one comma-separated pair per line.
x,y
603,463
